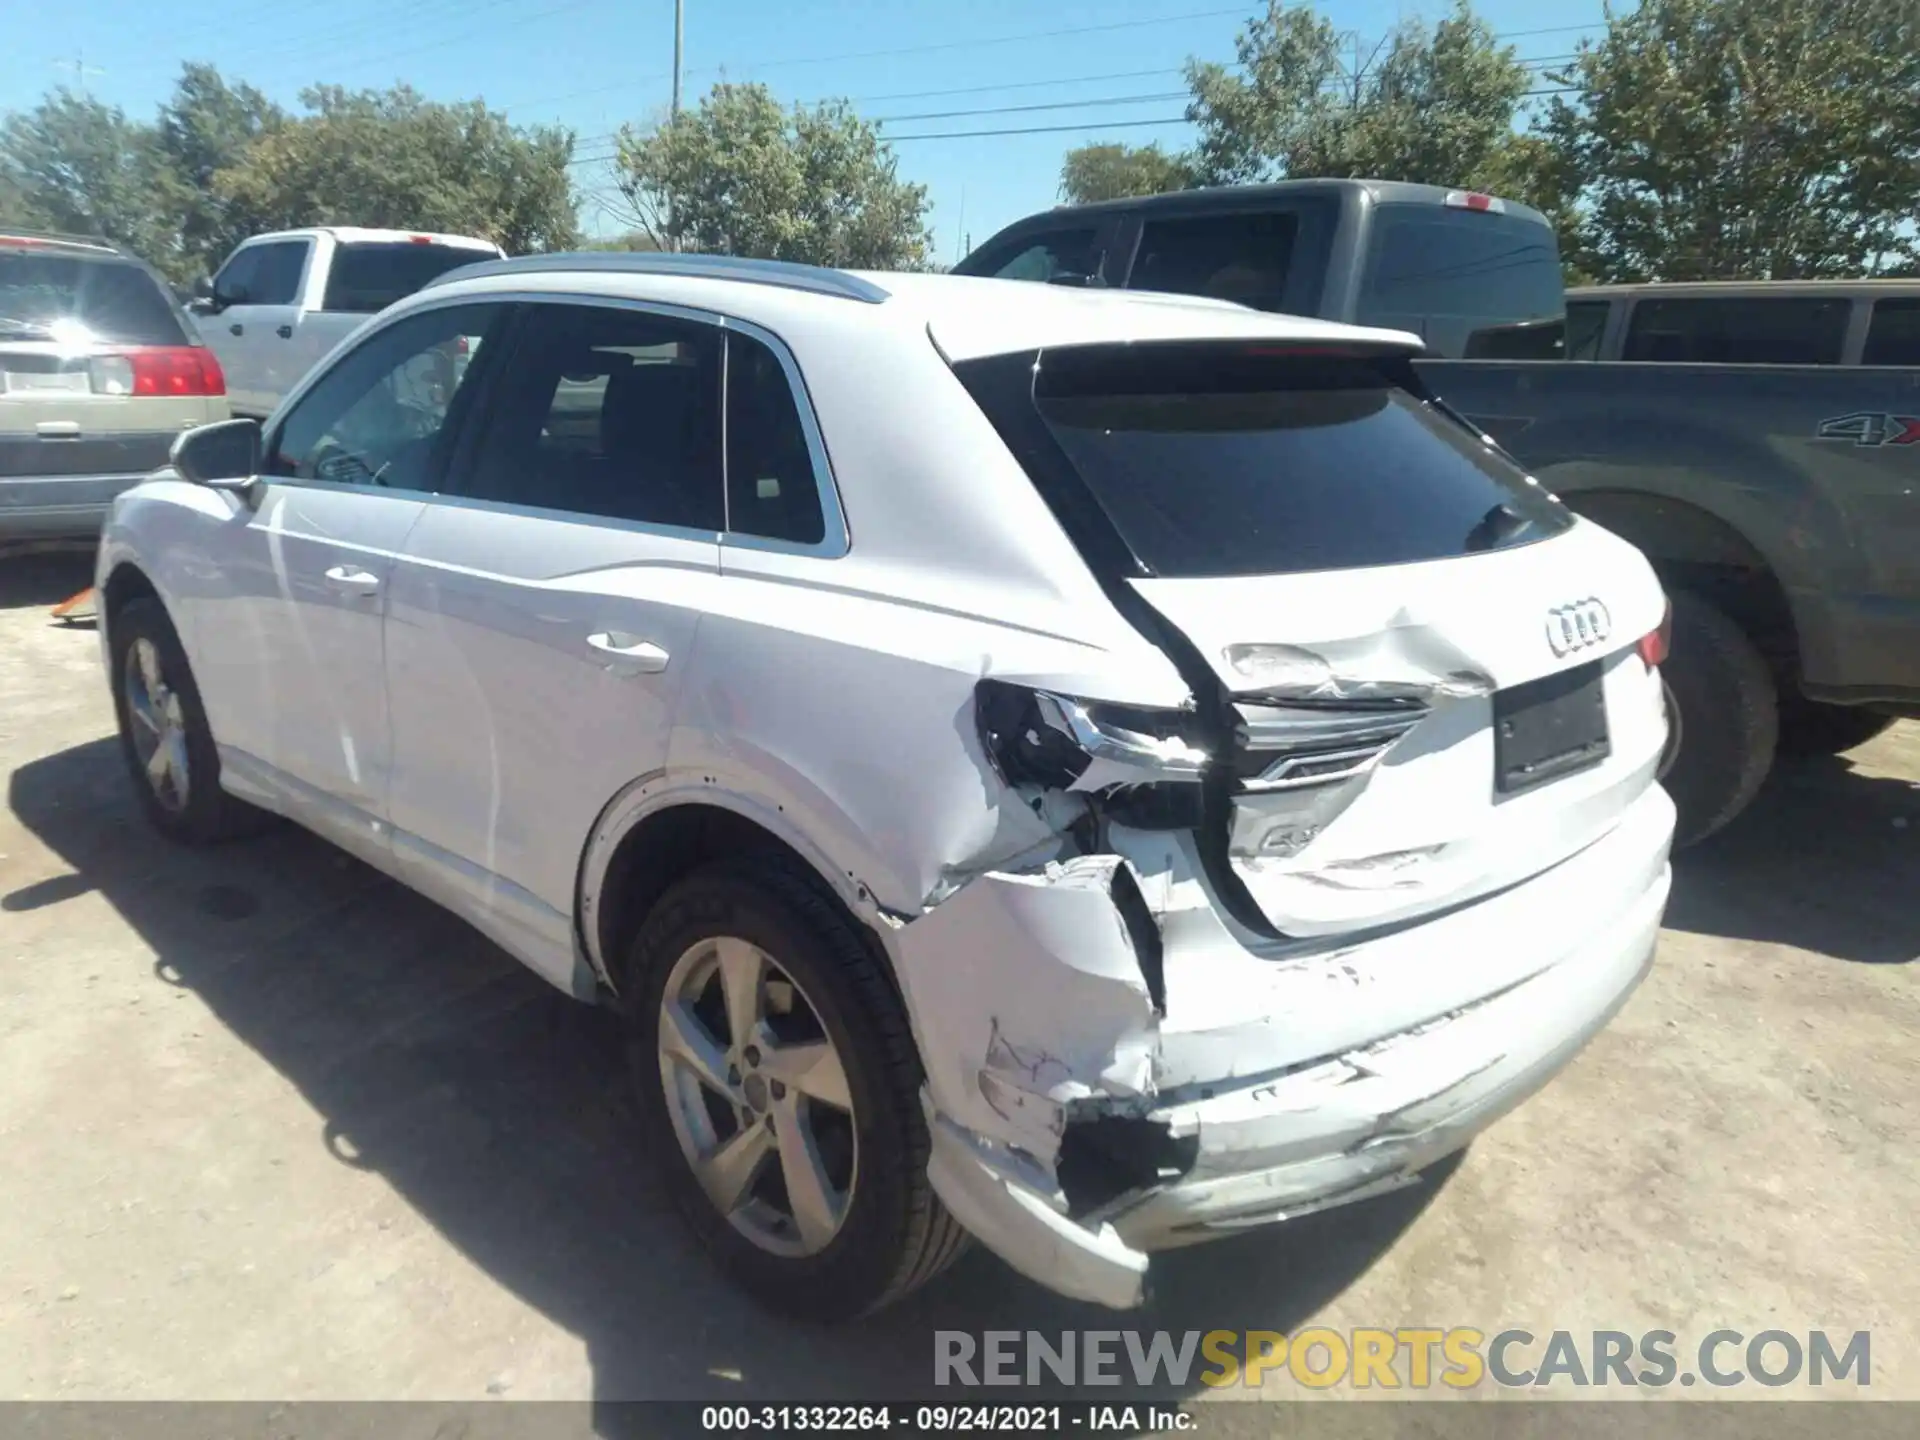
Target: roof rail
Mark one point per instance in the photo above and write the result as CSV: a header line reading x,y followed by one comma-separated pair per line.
x,y
784,273
57,237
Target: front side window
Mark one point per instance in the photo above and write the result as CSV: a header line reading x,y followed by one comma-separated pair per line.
x,y
274,278
377,416
1894,337
773,492
1058,255
1243,258
1736,330
608,412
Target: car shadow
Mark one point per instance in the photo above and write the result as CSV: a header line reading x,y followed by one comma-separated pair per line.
x,y
1827,860
43,576
496,1108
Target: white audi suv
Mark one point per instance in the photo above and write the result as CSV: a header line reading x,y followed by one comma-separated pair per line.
x,y
1091,771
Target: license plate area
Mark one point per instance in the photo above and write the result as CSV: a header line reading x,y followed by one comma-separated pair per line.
x,y
1550,727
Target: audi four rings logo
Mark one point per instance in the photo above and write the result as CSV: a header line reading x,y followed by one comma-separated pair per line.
x,y
1576,626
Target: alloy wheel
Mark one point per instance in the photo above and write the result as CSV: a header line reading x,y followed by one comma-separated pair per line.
x,y
158,725
758,1097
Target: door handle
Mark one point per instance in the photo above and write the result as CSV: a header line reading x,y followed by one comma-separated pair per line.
x,y
643,656
351,581
285,332
236,328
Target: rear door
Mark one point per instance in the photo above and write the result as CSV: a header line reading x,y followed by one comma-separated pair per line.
x,y
1432,666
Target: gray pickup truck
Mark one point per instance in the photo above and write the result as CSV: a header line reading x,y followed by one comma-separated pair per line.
x,y
1779,502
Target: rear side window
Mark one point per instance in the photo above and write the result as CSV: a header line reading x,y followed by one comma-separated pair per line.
x,y
1586,327
1243,258
773,492
1791,330
1894,337
1474,283
1056,255
50,296
610,413
1211,460
369,277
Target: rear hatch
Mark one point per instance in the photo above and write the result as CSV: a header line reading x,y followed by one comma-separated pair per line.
x,y
99,368
1423,671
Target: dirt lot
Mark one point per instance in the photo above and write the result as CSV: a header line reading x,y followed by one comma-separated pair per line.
x,y
273,1127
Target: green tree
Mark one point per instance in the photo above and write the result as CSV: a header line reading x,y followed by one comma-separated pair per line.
x,y
74,164
207,126
1114,171
1438,107
1744,139
392,158
740,175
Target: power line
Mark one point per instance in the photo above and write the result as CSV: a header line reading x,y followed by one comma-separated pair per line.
x,y
1023,109
937,48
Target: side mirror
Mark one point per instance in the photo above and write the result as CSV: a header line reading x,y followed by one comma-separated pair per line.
x,y
200,301
222,456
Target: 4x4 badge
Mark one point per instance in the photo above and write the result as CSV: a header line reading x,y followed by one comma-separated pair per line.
x,y
1577,626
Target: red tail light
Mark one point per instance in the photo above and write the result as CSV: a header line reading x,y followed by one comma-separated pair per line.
x,y
1657,644
175,370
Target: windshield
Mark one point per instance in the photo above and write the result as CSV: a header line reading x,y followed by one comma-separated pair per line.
x,y
1474,284
75,299
1213,460
370,277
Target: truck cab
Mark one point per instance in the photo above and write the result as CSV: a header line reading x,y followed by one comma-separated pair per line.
x,y
282,301
1475,276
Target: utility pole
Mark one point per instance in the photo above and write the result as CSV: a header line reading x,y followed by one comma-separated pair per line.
x,y
679,45
77,63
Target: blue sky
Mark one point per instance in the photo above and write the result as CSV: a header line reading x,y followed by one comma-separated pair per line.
x,y
592,64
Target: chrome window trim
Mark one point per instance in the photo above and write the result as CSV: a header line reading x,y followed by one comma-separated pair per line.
x,y
836,538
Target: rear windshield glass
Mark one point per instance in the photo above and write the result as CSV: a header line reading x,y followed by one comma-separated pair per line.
x,y
76,298
1214,462
1475,284
370,277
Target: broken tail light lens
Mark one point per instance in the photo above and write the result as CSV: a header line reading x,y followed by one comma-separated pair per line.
x,y
1657,643
1062,742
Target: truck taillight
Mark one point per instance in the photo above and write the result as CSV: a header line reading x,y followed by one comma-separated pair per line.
x,y
1657,643
1473,200
158,370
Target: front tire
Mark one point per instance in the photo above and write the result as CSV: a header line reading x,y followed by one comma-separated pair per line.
x,y
1725,713
780,1091
164,737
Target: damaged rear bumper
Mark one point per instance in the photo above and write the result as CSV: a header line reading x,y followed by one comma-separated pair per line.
x,y
1092,1099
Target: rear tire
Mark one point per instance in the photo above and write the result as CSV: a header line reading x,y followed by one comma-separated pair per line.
x,y
1728,719
164,736
890,1232
1809,727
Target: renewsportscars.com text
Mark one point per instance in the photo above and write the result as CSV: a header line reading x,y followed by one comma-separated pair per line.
x,y
1406,1357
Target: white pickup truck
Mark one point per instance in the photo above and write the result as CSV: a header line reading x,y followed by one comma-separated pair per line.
x,y
283,301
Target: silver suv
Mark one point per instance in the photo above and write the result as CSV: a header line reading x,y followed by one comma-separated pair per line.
x,y
100,372
1088,770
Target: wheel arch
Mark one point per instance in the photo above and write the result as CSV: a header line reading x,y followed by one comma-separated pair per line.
x,y
1691,548
660,829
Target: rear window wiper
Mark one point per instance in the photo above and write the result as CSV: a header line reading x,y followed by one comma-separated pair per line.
x,y
32,329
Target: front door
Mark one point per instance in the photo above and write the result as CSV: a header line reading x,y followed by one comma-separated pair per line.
x,y
301,693
253,335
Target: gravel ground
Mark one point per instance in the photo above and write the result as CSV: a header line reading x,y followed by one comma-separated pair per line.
x,y
276,1128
